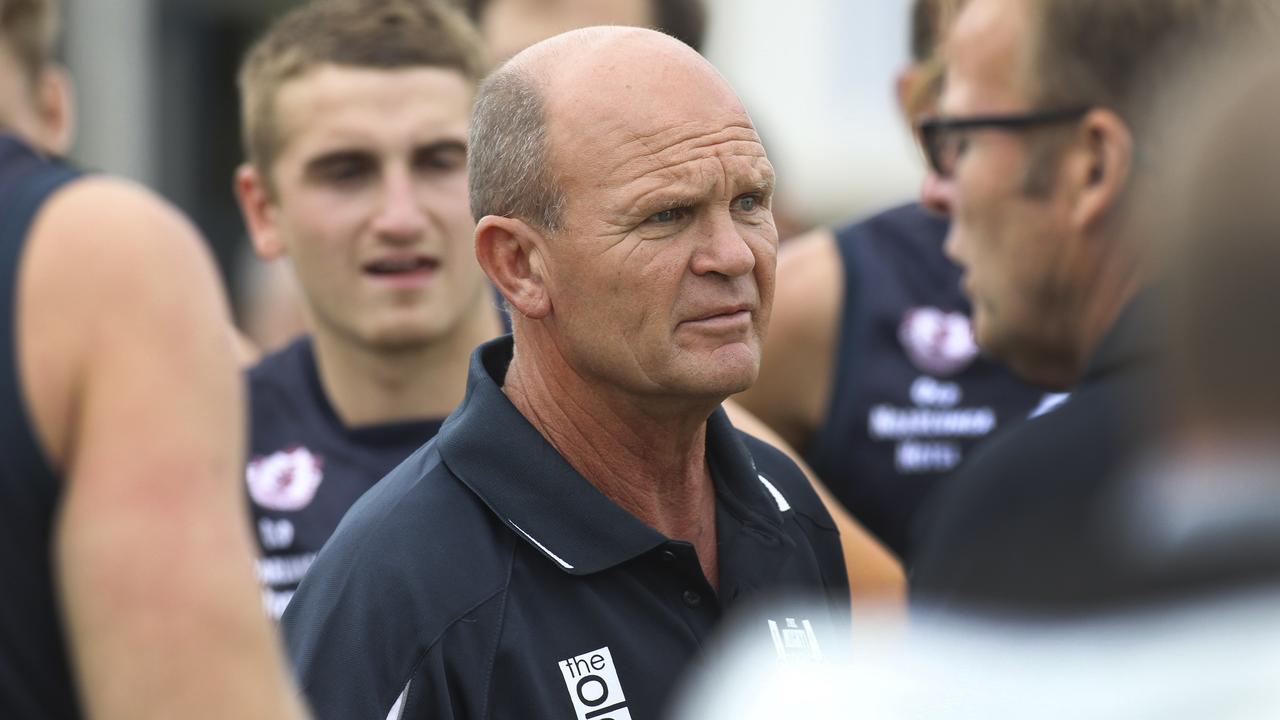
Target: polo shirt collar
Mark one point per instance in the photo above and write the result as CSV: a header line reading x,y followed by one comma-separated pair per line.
x,y
1131,340
533,490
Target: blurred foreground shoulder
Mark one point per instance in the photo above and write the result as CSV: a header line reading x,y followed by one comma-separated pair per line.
x,y
134,390
113,274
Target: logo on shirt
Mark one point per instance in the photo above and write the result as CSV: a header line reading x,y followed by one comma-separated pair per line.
x,y
592,681
795,641
939,343
285,480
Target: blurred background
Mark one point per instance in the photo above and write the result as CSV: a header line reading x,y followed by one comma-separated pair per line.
x,y
155,86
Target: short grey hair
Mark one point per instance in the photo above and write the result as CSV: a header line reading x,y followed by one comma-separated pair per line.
x,y
509,155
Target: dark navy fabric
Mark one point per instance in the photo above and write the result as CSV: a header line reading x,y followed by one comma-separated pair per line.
x,y
899,421
1029,524
35,678
306,468
485,578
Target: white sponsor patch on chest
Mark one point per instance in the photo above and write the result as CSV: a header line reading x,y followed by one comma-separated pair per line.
x,y
592,682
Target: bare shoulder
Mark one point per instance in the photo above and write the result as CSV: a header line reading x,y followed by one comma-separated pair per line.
x,y
791,392
135,393
104,246
111,272
810,284
123,226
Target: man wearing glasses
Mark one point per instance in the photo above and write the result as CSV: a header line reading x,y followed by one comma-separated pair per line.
x,y
869,367
1036,153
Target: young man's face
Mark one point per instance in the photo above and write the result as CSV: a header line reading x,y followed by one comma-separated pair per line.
x,y
371,202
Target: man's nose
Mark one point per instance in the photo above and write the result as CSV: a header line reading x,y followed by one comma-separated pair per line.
x,y
724,250
400,217
937,193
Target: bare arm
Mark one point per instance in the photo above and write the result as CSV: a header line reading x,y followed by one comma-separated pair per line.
x,y
136,397
875,575
794,386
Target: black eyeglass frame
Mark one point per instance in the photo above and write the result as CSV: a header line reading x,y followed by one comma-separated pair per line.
x,y
933,130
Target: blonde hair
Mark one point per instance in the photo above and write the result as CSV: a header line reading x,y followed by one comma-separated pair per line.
x,y
380,34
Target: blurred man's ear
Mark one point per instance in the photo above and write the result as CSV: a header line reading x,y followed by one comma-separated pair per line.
x,y
509,250
55,110
1101,167
259,211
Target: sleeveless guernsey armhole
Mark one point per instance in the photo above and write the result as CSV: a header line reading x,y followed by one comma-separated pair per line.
x,y
830,438
17,212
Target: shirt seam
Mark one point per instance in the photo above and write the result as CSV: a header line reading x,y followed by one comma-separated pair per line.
x,y
426,650
497,636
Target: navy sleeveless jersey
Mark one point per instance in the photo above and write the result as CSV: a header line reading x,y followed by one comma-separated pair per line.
x,y
306,468
35,676
910,395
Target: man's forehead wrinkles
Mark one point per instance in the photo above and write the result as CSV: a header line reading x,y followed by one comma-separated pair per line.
x,y
715,166
674,160
691,135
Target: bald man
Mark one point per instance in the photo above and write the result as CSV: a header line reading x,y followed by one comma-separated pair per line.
x,y
581,523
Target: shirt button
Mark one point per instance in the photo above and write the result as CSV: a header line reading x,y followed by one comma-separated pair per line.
x,y
668,556
692,599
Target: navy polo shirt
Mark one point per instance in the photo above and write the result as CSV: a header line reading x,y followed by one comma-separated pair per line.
x,y
485,578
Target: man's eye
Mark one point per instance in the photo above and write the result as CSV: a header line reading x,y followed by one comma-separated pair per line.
x,y
451,156
347,171
748,203
669,215
342,170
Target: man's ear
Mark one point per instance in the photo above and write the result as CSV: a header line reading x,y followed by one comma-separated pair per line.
x,y
511,253
1103,166
259,211
55,108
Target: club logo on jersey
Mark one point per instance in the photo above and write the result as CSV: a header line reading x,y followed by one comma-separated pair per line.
x,y
939,343
592,682
285,480
795,641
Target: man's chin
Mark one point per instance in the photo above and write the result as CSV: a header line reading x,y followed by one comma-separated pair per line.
x,y
724,382
400,338
984,334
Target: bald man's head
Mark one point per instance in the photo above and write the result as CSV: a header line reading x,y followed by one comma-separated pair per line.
x,y
537,106
636,244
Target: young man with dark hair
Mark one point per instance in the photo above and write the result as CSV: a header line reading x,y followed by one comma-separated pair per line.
x,y
355,124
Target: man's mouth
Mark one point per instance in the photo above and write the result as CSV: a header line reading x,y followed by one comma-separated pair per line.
x,y
410,273
402,266
723,318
